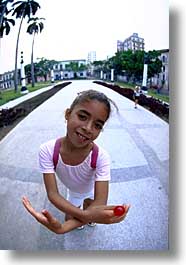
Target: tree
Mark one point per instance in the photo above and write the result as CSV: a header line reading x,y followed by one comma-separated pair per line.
x,y
75,67
5,22
72,66
154,63
131,64
82,67
97,65
22,9
36,26
44,66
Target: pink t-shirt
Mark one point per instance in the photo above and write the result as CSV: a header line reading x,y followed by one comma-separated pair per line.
x,y
79,178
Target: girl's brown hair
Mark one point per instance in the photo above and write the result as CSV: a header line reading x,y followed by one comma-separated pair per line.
x,y
88,95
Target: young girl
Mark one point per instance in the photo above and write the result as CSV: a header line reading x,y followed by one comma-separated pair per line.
x,y
87,187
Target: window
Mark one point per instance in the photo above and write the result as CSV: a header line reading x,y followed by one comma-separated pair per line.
x,y
164,59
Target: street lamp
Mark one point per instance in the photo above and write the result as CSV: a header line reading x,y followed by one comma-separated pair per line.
x,y
112,75
52,75
145,70
24,89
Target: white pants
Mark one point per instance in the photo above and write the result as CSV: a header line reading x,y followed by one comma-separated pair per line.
x,y
77,198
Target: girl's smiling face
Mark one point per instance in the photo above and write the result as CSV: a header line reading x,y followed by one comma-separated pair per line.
x,y
85,122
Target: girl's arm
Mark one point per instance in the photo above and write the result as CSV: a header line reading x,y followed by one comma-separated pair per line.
x,y
101,192
57,199
99,203
46,219
98,212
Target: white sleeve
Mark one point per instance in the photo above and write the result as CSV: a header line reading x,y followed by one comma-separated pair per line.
x,y
102,166
46,157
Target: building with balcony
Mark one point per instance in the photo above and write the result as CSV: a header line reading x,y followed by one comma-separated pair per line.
x,y
7,80
134,43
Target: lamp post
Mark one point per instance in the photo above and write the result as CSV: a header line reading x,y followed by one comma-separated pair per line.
x,y
145,70
52,75
24,89
61,75
112,75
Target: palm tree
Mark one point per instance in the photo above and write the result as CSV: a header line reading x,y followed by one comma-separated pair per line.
x,y
36,26
5,22
5,26
3,12
22,9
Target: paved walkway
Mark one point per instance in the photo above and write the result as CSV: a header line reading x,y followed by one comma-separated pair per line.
x,y
138,142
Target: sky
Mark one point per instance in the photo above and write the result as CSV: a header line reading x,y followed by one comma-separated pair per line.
x,y
73,28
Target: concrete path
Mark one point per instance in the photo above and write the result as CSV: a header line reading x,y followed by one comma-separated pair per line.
x,y
138,142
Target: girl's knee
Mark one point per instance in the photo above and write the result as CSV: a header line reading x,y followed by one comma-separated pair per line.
x,y
87,202
68,217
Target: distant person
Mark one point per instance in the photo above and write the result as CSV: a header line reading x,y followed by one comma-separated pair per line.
x,y
158,89
136,96
82,166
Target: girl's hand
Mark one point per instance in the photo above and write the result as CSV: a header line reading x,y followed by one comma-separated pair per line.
x,y
104,214
43,217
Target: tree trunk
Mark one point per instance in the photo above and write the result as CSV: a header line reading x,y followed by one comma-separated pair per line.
x,y
16,56
32,63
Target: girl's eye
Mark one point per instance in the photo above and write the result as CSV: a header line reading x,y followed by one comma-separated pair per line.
x,y
82,117
98,126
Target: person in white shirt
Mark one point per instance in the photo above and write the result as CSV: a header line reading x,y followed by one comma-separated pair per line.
x,y
136,96
87,187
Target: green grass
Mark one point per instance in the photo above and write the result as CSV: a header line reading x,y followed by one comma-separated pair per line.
x,y
8,95
126,85
151,92
162,97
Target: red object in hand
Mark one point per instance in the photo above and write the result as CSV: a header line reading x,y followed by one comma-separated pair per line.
x,y
119,210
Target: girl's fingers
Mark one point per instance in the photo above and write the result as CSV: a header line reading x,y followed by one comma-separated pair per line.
x,y
109,207
52,221
117,219
48,216
112,207
27,205
127,207
25,200
39,216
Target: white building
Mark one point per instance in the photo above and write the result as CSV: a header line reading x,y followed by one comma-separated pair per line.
x,y
91,57
70,69
7,80
134,43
